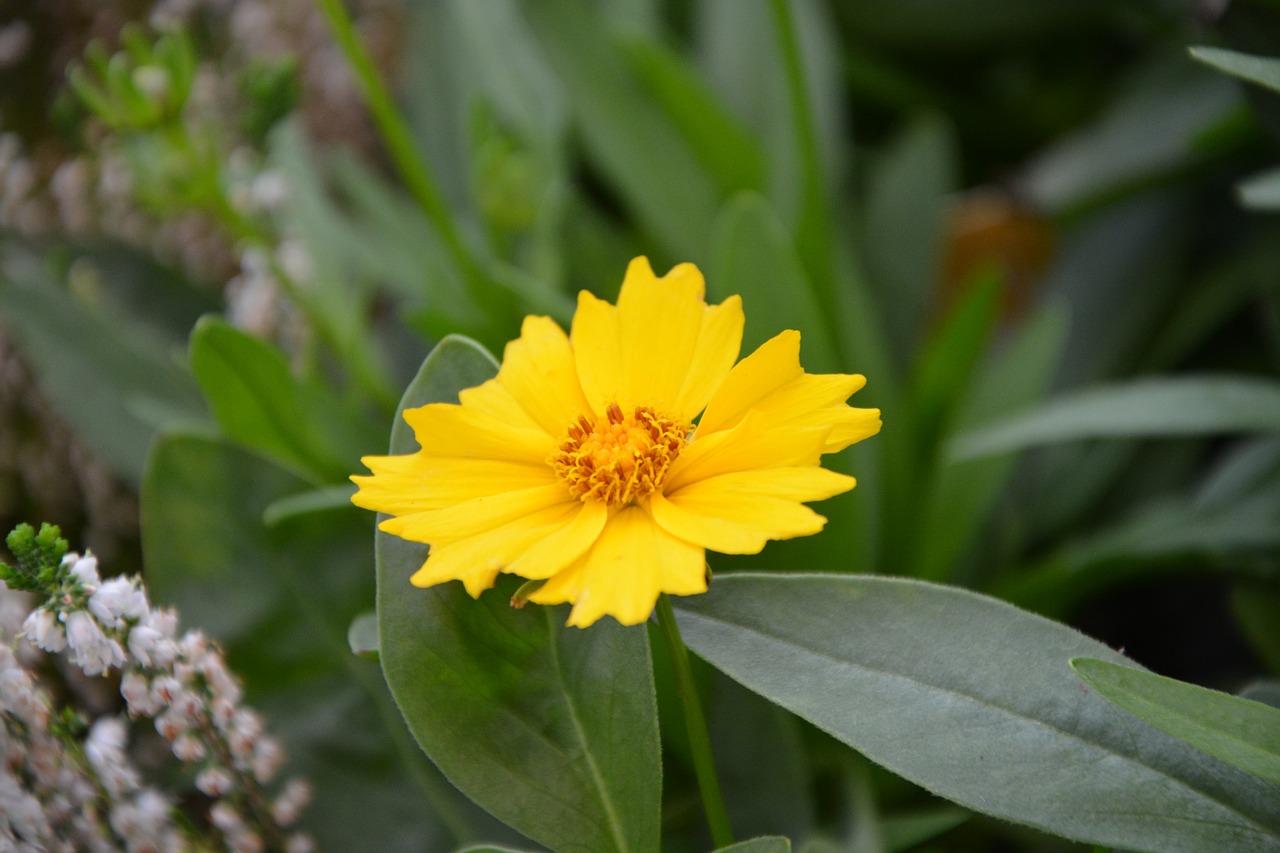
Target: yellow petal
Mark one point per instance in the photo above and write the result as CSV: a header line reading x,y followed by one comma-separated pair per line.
x,y
738,513
444,429
539,372
553,552
771,384
662,346
751,444
660,320
469,518
491,400
630,564
719,342
476,560
596,349
417,482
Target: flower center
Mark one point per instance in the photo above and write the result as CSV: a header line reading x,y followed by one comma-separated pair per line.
x,y
620,458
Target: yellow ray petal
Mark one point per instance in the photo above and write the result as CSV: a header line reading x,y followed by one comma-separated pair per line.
x,y
751,444
477,559
554,552
738,513
596,349
630,564
494,401
770,384
539,372
470,518
444,429
660,320
417,482
717,348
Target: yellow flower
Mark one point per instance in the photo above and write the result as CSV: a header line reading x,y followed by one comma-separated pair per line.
x,y
584,462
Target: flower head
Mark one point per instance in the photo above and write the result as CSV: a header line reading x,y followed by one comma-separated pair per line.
x,y
605,462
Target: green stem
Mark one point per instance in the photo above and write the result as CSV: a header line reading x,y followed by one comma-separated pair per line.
x,y
397,137
696,724
813,232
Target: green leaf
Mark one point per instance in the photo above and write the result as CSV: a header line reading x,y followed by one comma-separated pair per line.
x,y
908,196
728,153
1239,731
256,401
552,729
974,700
625,131
112,380
906,831
1147,408
753,255
963,497
1264,70
280,600
764,844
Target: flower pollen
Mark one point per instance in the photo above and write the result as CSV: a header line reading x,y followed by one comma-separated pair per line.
x,y
621,458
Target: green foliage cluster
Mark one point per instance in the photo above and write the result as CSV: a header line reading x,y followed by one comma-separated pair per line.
x,y
1081,417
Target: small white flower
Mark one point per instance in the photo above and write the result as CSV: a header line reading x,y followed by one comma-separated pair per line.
x,y
43,629
299,842
268,756
224,816
214,781
136,691
150,647
92,650
85,569
116,600
188,748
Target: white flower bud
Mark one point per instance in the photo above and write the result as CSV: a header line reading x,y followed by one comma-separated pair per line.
x,y
85,569
214,781
116,600
136,691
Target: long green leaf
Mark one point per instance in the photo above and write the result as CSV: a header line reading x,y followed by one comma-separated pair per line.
x,y
638,149
1147,408
1239,731
764,844
552,729
1264,70
974,699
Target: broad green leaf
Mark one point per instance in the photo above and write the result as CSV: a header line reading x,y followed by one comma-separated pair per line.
x,y
258,403
764,844
552,729
113,381
1239,731
625,131
281,600
974,700
1264,70
322,499
1147,408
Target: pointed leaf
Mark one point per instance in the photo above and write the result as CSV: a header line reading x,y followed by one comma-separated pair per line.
x,y
1264,70
974,700
1239,731
552,729
1178,406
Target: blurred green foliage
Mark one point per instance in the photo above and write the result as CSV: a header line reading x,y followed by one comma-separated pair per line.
x,y
1040,230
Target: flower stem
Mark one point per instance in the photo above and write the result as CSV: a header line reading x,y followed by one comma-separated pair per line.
x,y
397,136
696,725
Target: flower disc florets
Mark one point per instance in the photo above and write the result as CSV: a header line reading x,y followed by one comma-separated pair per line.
x,y
620,458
